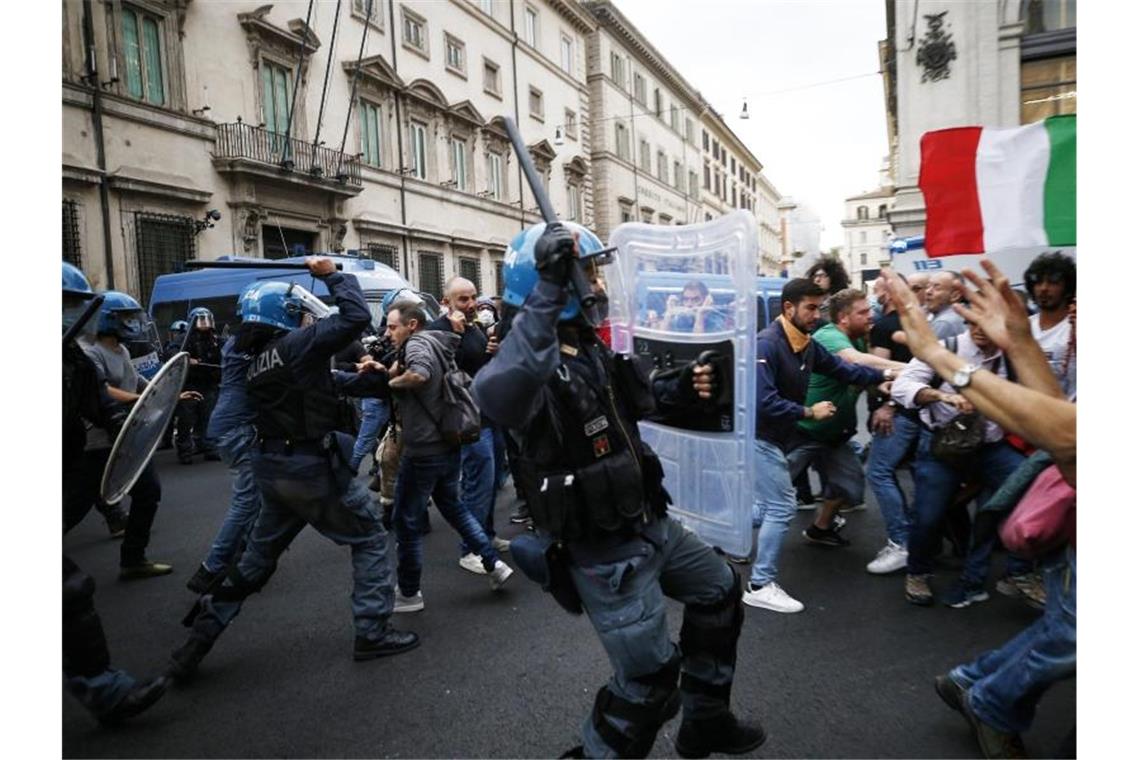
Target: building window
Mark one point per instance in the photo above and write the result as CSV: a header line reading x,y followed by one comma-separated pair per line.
x,y
1048,88
535,101
415,31
163,243
664,218
662,167
716,183
72,252
385,254
567,50
571,124
647,215
690,132
678,176
530,27
1048,15
625,212
491,82
643,154
617,70
574,203
499,278
369,9
370,133
657,104
639,87
456,51
417,145
673,121
431,273
883,211
734,196
694,184
706,184
732,166
863,259
276,100
495,176
142,54
863,238
469,269
459,163
705,139
861,213
621,138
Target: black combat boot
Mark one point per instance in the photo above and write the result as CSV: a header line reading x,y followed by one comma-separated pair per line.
x,y
724,733
390,642
185,659
137,700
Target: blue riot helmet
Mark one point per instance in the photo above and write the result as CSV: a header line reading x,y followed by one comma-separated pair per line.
x,y
76,293
122,316
520,276
279,304
201,318
179,326
399,294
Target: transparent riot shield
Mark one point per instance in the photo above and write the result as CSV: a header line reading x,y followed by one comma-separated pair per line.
x,y
675,294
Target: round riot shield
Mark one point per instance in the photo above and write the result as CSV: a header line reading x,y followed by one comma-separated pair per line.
x,y
142,432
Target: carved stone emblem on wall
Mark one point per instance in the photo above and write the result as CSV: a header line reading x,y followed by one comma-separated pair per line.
x,y
339,230
248,228
936,50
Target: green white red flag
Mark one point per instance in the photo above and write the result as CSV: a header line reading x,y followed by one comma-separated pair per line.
x,y
988,189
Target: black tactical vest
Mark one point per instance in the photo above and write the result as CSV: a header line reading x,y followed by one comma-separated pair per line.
x,y
286,408
584,467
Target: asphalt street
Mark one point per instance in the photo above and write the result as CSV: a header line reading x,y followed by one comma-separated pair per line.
x,y
510,674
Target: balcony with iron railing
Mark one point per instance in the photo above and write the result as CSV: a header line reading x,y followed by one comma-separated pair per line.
x,y
245,148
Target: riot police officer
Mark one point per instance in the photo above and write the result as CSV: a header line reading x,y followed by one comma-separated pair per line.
x,y
111,695
193,417
176,337
300,464
604,541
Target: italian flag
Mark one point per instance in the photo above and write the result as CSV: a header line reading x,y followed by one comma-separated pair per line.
x,y
988,189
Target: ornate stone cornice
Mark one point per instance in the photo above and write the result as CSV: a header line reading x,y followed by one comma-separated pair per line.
x,y
261,34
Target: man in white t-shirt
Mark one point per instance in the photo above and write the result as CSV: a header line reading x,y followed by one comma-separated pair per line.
x,y
1052,283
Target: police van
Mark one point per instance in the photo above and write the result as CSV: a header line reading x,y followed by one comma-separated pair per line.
x,y
174,295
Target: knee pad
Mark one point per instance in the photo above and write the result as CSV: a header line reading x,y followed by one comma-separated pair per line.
x,y
714,628
237,587
644,719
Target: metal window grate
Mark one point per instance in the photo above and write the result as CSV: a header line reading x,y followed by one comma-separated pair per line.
x,y
162,244
498,278
470,269
385,254
431,273
72,252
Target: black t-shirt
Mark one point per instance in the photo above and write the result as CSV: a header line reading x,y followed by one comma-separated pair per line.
x,y
881,333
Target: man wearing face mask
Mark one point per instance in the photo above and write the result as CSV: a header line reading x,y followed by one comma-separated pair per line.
x,y
604,542
477,459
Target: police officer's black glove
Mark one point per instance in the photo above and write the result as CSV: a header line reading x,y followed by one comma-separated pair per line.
x,y
554,254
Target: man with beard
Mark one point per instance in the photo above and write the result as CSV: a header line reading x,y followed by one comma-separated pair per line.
x,y
1052,283
786,357
477,460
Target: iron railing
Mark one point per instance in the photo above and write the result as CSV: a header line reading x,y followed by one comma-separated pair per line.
x,y
241,140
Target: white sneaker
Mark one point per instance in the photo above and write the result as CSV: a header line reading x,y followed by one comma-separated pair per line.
x,y
472,563
500,574
771,597
501,544
409,603
890,558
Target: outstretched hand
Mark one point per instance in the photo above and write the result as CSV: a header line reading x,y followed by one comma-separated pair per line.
x,y
995,308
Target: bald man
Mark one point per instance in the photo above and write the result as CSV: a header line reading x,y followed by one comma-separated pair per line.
x,y
477,460
945,290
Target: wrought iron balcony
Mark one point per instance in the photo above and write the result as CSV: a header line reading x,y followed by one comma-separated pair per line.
x,y
293,158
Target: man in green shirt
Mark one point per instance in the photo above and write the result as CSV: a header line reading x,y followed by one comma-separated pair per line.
x,y
824,441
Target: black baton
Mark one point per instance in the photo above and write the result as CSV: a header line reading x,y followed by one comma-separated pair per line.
x,y
577,278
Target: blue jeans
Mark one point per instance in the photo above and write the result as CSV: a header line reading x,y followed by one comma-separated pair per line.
x,y
374,414
887,452
236,450
625,600
302,489
418,478
501,468
477,485
772,509
1004,685
935,485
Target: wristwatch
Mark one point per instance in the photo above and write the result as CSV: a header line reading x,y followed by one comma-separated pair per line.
x,y
961,377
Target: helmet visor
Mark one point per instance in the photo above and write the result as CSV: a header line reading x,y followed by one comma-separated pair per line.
x,y
203,321
309,303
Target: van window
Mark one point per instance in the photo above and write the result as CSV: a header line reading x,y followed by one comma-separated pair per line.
x,y
224,309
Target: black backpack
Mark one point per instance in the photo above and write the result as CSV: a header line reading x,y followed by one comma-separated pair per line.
x,y
459,423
